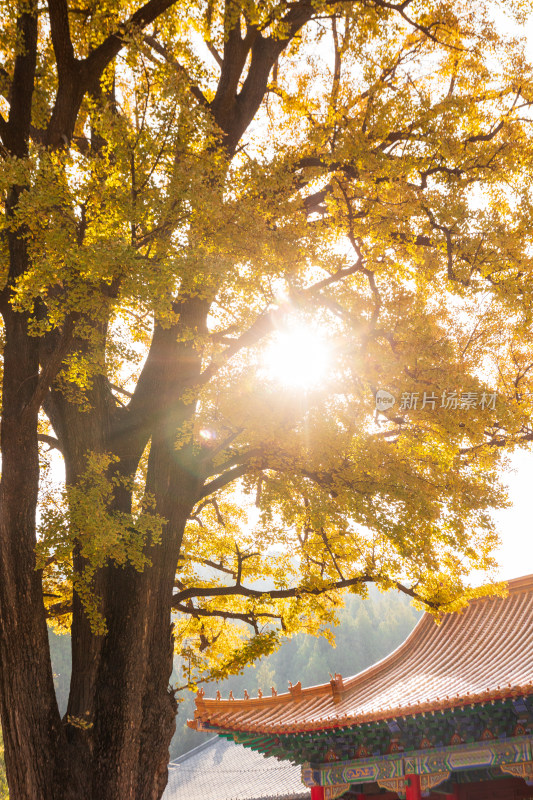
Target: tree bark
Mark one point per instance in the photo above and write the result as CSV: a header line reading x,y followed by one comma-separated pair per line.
x,y
121,712
33,736
132,742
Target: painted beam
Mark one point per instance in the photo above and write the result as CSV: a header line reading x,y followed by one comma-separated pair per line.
x,y
434,765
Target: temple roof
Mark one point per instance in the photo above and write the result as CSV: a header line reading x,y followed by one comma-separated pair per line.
x,y
222,770
479,655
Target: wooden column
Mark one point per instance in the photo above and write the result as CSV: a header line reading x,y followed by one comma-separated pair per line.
x,y
412,791
317,793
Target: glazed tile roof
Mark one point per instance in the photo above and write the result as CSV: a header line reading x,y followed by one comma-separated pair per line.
x,y
481,654
222,770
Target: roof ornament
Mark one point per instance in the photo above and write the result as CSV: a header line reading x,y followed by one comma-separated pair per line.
x,y
218,695
200,693
246,695
259,694
231,696
337,686
296,689
274,693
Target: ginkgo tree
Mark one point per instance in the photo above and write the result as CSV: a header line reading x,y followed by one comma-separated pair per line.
x,y
266,281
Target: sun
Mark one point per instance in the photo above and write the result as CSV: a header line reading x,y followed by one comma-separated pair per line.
x,y
298,357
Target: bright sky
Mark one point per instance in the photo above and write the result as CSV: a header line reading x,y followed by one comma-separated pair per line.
x,y
515,524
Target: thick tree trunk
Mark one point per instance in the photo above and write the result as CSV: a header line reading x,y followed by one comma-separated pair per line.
x,y
132,739
114,741
121,713
113,744
134,711
119,681
159,705
80,433
33,737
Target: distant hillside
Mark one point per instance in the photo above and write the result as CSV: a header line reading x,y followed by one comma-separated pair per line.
x,y
368,630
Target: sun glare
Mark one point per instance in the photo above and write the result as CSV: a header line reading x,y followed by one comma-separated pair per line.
x,y
297,358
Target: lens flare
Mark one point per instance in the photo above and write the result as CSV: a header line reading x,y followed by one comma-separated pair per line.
x,y
298,358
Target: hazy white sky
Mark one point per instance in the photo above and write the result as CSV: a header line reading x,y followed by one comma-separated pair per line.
x,y
515,524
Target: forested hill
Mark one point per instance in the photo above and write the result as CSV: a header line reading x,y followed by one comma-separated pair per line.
x,y
368,630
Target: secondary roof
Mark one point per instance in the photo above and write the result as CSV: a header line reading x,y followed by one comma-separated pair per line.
x,y
222,770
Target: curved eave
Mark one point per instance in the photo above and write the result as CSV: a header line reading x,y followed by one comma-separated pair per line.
x,y
478,656
380,715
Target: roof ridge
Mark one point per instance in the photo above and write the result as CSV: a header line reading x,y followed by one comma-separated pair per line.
x,y
203,746
521,584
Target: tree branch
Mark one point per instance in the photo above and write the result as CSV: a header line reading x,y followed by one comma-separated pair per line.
x,y
425,29
98,59
486,137
51,367
249,619
84,76
276,594
19,121
61,41
265,323
234,111
214,52
194,89
179,599
208,563
50,440
121,390
293,592
58,609
224,480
